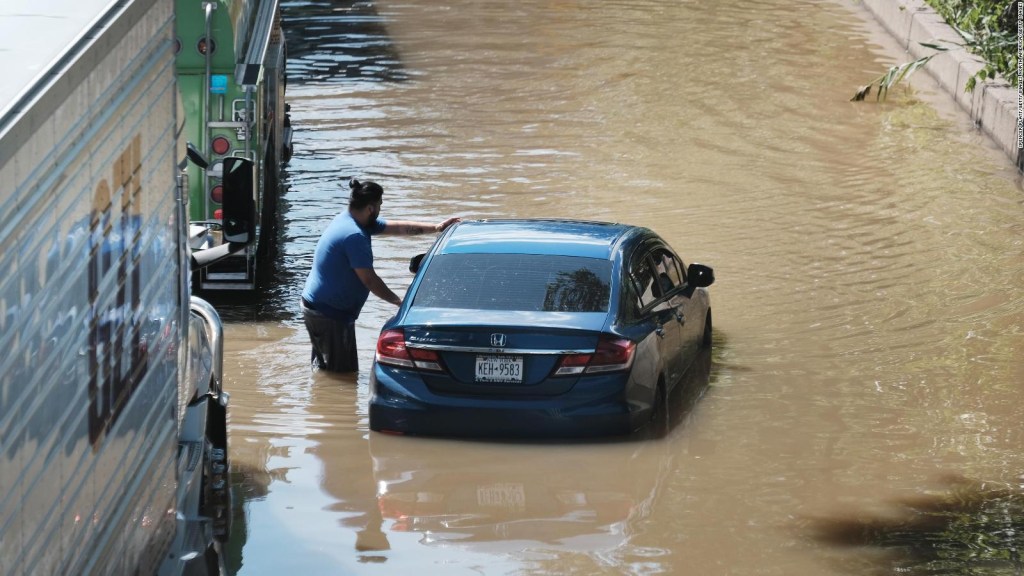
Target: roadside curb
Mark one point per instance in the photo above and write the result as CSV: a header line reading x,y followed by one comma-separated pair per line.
x,y
992,106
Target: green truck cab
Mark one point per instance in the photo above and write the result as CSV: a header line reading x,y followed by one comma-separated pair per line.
x,y
230,61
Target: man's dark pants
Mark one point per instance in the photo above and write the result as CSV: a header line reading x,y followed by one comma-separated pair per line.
x,y
334,341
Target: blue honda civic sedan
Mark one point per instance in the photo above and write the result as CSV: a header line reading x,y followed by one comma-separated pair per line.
x,y
539,328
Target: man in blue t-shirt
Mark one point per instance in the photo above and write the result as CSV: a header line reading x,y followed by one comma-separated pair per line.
x,y
343,276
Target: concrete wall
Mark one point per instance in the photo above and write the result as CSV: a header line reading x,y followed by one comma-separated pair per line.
x,y
992,105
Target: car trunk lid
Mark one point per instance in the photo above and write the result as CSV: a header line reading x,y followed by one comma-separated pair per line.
x,y
501,353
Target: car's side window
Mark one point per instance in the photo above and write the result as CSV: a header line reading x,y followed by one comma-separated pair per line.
x,y
630,300
643,277
668,270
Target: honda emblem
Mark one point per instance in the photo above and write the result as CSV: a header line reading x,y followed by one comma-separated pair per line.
x,y
498,340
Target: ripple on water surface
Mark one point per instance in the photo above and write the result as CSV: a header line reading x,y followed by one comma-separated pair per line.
x,y
867,309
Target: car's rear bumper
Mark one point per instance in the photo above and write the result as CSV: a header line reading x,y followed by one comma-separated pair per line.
x,y
401,403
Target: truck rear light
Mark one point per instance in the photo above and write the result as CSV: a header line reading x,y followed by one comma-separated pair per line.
x,y
201,46
391,349
612,354
220,145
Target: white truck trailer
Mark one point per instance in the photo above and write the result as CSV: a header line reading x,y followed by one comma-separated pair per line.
x,y
113,440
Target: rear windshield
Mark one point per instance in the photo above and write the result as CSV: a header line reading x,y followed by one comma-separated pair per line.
x,y
516,282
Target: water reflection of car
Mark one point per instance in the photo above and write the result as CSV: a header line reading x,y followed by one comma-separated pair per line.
x,y
539,328
502,496
484,493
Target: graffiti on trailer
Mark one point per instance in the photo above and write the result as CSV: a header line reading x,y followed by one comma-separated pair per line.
x,y
117,360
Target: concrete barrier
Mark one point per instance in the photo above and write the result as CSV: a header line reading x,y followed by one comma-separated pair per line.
x,y
992,105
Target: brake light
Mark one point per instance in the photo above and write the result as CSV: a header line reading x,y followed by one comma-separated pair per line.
x,y
425,359
220,145
612,354
572,364
201,46
391,349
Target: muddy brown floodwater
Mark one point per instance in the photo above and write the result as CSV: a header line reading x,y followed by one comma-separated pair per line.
x,y
862,410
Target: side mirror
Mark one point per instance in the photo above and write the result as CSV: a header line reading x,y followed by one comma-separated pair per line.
x,y
414,263
238,206
196,156
700,276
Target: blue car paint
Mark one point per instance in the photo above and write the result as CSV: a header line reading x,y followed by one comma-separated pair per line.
x,y
584,239
594,321
403,400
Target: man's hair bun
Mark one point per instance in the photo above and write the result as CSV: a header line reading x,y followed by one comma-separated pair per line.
x,y
364,193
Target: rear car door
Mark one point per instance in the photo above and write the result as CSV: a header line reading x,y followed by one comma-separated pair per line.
x,y
656,309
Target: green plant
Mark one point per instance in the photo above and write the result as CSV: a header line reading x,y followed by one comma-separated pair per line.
x,y
989,30
895,75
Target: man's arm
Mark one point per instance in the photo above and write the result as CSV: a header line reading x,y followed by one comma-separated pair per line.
x,y
377,286
409,228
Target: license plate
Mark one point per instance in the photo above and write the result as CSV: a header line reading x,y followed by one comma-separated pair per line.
x,y
504,369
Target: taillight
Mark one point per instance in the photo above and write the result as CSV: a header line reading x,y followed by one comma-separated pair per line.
x,y
425,359
572,364
391,349
202,45
612,354
220,145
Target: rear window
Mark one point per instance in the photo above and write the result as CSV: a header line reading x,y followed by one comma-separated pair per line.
x,y
524,282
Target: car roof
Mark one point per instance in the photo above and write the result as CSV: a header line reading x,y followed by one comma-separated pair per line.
x,y
582,238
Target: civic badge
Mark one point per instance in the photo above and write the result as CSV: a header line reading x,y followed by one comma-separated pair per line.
x,y
498,340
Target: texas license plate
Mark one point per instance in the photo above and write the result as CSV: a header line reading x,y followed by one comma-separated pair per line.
x,y
503,369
